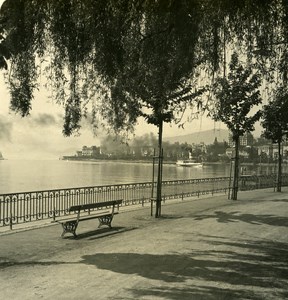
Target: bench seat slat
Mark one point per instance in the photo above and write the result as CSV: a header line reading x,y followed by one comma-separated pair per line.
x,y
93,215
95,205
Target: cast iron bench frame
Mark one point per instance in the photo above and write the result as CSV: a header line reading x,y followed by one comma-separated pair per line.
x,y
103,211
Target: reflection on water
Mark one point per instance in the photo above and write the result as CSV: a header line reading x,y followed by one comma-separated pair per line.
x,y
19,176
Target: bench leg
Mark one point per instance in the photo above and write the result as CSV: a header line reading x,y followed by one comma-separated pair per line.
x,y
69,226
105,220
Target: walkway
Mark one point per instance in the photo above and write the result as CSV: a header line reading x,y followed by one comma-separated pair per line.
x,y
207,248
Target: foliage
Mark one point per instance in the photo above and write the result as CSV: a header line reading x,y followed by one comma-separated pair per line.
x,y
235,95
275,124
275,116
143,147
216,151
121,59
4,53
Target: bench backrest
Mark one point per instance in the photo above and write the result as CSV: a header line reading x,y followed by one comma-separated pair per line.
x,y
76,208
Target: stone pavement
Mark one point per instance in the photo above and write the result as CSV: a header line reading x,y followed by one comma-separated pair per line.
x,y
206,248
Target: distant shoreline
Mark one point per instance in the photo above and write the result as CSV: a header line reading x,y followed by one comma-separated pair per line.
x,y
114,159
150,161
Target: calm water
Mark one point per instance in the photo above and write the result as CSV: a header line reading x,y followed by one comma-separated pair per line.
x,y
21,176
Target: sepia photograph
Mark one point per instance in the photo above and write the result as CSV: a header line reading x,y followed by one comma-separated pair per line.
x,y
143,149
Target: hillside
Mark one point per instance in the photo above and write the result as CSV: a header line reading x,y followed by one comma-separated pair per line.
x,y
206,137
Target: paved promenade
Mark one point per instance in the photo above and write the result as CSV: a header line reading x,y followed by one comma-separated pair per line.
x,y
206,248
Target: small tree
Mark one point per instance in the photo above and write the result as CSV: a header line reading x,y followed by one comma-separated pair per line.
x,y
275,124
236,94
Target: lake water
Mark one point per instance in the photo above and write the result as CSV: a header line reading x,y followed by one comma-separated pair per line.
x,y
27,176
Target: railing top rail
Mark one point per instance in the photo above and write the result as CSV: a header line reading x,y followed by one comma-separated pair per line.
x,y
126,184
74,188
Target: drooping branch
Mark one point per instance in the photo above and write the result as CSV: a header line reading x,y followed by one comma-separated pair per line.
x,y
140,51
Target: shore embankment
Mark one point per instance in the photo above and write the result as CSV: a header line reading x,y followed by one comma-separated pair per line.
x,y
201,248
141,161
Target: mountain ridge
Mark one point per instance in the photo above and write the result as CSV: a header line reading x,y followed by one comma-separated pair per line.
x,y
207,137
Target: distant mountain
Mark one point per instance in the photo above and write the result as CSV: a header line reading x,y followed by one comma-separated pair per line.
x,y
206,137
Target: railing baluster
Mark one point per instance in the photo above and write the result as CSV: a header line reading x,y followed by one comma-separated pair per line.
x,y
17,208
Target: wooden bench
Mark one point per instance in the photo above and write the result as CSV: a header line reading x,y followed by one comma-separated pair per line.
x,y
103,211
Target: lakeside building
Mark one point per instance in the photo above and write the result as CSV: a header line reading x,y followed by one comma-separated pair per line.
x,y
230,152
271,151
85,153
245,140
89,151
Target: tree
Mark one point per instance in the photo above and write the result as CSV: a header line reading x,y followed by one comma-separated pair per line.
x,y
275,124
235,96
98,46
217,151
125,59
252,154
4,53
137,59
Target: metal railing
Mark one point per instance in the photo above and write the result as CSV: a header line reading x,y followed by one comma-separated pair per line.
x,y
16,208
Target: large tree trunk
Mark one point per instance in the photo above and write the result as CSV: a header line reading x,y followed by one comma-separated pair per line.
x,y
159,177
236,170
279,171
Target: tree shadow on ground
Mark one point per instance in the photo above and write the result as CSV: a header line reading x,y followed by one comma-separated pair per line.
x,y
245,273
162,217
280,200
235,216
195,293
5,263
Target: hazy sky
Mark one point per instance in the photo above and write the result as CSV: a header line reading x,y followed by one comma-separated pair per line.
x,y
40,134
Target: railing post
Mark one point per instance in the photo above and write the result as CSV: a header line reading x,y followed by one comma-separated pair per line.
x,y
151,200
54,214
10,221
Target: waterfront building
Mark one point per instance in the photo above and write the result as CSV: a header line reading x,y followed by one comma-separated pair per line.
x,y
271,151
245,140
89,151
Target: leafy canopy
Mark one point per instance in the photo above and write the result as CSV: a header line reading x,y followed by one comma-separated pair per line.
x,y
275,116
128,58
123,58
235,95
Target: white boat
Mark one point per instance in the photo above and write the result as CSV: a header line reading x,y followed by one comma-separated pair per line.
x,y
188,163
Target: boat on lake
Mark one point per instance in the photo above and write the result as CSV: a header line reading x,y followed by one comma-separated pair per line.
x,y
188,163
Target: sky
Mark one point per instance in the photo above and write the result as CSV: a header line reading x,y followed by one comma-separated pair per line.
x,y
39,136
